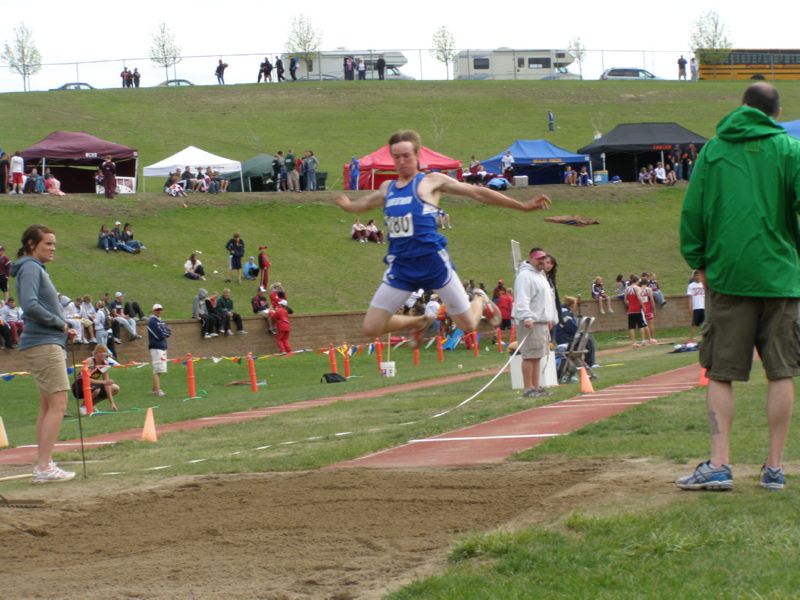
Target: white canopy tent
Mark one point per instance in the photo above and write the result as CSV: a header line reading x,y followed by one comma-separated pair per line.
x,y
194,157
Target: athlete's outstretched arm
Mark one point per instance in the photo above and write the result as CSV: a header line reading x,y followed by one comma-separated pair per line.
x,y
363,204
448,185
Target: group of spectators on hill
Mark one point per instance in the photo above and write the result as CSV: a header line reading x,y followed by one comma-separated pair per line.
x,y
119,237
14,179
181,183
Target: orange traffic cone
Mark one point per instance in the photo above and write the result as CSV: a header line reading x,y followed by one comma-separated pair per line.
x,y
586,383
149,431
703,377
3,436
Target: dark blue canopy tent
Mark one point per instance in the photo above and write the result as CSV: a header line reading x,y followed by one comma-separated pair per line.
x,y
540,160
792,128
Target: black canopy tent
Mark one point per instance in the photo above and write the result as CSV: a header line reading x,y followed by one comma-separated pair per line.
x,y
630,146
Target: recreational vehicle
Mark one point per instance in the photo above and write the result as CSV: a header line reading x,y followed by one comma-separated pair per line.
x,y
330,65
508,63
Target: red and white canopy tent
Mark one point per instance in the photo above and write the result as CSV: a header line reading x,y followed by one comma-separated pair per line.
x,y
378,166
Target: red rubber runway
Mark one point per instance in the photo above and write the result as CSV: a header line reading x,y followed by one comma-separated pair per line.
x,y
494,441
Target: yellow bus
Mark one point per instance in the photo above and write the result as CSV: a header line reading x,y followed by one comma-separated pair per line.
x,y
748,64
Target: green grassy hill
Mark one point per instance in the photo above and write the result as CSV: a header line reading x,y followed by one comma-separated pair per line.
x,y
341,119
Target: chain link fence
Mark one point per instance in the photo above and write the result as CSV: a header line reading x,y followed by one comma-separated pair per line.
x,y
416,63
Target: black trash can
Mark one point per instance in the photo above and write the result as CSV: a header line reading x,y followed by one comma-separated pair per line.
x,y
322,178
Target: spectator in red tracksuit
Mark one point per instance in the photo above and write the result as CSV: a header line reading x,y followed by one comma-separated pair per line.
x,y
109,171
263,266
281,317
505,302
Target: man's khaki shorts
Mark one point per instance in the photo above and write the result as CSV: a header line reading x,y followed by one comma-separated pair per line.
x,y
735,325
48,365
537,342
158,358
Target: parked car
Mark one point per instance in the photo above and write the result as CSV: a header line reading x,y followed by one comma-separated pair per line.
x,y
628,74
175,83
75,85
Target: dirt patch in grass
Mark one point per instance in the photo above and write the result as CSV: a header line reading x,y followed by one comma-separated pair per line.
x,y
322,534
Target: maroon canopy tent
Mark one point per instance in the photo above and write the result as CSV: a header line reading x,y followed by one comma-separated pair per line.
x,y
74,157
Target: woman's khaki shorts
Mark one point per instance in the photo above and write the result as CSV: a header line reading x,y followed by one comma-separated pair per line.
x,y
48,365
735,325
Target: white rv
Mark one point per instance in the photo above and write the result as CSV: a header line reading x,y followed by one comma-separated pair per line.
x,y
508,63
330,65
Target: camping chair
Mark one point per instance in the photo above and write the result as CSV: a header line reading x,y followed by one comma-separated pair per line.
x,y
574,355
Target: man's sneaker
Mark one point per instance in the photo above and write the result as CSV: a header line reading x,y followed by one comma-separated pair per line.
x,y
52,474
229,332
242,332
208,336
490,311
705,477
772,478
159,393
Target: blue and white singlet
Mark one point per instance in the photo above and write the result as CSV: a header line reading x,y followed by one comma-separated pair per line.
x,y
417,254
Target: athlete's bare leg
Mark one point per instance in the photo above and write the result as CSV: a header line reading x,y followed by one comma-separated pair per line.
x,y
379,321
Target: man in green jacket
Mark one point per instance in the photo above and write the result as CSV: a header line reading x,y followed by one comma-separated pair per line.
x,y
739,229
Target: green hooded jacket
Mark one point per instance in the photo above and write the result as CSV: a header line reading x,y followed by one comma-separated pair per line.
x,y
739,217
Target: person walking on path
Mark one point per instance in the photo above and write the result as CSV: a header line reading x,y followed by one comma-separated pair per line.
x,y
535,314
157,334
43,344
742,206
417,254
109,171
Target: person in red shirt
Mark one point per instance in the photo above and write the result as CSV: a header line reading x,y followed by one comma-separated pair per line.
x,y
505,302
281,317
636,320
263,266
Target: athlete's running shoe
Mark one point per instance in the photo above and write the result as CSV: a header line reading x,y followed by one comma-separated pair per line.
x,y
490,310
706,477
772,478
52,474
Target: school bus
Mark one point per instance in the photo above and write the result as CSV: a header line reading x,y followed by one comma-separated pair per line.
x,y
748,64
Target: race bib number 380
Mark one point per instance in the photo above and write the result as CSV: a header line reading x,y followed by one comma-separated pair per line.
x,y
400,227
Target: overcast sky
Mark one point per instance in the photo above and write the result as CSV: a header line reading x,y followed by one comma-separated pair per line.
x,y
655,33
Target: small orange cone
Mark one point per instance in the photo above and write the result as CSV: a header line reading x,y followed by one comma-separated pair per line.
x,y
149,431
586,383
3,436
703,377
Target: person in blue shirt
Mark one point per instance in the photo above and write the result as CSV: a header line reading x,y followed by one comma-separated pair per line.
x,y
417,254
157,334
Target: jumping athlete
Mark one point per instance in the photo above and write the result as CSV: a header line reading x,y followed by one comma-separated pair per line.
x,y
417,255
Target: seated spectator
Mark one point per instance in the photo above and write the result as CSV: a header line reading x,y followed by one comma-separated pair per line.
x,y
34,183
190,181
225,310
99,182
359,231
644,177
570,176
658,295
567,327
87,324
52,185
376,235
173,186
212,184
250,270
72,315
223,183
584,179
193,268
443,219
200,313
11,318
599,294
6,335
498,184
100,381
620,287
671,178
660,174
133,310
128,240
105,240
116,309
217,319
260,304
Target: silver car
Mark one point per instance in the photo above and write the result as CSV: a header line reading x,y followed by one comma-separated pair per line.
x,y
628,74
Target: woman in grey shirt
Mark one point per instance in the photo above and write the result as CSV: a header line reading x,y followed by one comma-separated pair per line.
x,y
42,344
